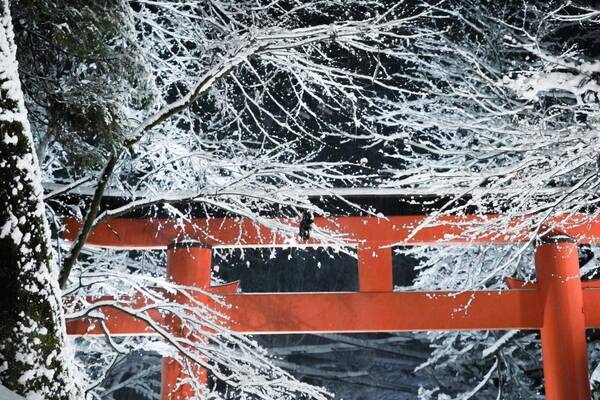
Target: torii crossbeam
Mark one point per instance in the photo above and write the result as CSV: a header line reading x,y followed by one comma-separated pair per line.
x,y
558,304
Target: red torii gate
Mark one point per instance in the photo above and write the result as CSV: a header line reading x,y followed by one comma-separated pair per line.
x,y
558,304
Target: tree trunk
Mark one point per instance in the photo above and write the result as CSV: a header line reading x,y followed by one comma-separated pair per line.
x,y
32,335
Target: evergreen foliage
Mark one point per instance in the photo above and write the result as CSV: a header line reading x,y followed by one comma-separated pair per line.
x,y
83,74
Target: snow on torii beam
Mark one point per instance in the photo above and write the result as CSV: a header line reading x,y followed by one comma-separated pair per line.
x,y
559,305
139,233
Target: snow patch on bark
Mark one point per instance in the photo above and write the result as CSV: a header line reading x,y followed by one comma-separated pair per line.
x,y
6,394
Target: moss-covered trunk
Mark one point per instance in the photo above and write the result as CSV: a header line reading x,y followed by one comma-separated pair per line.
x,y
32,337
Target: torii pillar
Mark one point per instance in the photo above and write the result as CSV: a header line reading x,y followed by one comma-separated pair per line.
x,y
564,350
188,264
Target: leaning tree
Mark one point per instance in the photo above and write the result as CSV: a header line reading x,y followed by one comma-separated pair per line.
x,y
33,356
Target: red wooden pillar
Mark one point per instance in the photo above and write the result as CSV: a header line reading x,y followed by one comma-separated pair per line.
x,y
375,269
564,349
188,264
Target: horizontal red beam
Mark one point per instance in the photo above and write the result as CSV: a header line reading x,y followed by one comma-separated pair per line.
x,y
591,307
384,312
362,312
355,312
117,323
133,233
396,311
119,316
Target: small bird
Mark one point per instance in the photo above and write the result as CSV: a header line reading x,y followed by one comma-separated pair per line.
x,y
585,254
305,226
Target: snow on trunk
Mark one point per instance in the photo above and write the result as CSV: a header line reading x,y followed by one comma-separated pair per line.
x,y
33,362
6,394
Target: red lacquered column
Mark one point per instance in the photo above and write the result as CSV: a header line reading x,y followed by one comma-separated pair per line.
x,y
188,264
564,349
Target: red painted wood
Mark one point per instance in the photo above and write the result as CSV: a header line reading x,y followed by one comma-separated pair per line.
x,y
364,312
173,386
120,316
519,284
564,351
375,269
120,323
383,312
558,303
591,307
238,232
187,265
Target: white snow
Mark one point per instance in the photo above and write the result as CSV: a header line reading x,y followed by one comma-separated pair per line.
x,y
6,394
529,84
499,343
595,378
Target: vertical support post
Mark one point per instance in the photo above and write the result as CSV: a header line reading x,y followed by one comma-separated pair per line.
x,y
375,269
188,264
564,351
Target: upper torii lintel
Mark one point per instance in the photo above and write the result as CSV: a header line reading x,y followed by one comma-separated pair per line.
x,y
142,233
